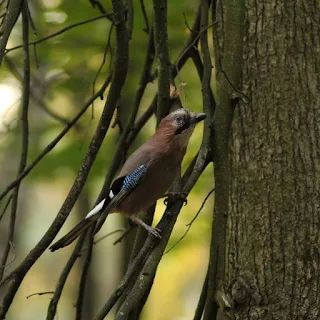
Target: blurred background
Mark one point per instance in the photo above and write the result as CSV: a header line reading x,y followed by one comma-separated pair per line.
x,y
63,76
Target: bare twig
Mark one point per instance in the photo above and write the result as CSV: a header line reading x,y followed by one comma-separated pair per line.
x,y
192,221
132,269
6,207
32,25
108,235
33,43
107,48
186,22
52,308
202,300
25,137
54,142
104,237
145,16
12,13
129,17
161,44
39,294
125,233
12,246
96,3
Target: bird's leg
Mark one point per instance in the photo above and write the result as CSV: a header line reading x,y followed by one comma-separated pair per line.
x,y
154,231
173,196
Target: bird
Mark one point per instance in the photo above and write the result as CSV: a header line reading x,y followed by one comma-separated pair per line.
x,y
145,176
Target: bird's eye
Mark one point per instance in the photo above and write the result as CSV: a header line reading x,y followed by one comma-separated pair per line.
x,y
178,119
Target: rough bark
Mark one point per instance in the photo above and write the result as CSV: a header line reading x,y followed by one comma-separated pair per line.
x,y
273,226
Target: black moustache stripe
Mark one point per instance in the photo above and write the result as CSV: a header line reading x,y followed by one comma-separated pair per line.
x,y
184,127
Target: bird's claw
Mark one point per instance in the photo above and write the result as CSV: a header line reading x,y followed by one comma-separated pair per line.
x,y
176,196
155,232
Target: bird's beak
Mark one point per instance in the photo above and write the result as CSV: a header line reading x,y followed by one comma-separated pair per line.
x,y
198,117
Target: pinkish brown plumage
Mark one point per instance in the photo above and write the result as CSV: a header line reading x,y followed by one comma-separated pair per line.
x,y
146,175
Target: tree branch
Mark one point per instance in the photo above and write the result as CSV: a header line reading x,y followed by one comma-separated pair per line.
x,y
54,142
202,300
120,70
118,79
8,22
145,17
6,207
24,136
161,44
33,43
131,271
189,225
52,308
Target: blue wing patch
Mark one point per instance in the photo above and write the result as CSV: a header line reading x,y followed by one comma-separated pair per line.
x,y
133,178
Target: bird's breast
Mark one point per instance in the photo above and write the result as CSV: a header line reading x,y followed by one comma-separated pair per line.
x,y
159,177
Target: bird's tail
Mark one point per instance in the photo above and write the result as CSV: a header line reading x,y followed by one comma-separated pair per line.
x,y
72,235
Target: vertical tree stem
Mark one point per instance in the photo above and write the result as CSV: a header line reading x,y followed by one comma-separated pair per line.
x,y
24,137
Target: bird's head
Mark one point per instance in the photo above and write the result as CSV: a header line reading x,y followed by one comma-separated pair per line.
x,y
181,123
184,120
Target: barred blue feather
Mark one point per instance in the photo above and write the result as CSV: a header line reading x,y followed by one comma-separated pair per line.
x,y
132,179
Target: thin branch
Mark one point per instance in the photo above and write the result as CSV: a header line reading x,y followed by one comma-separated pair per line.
x,y
202,300
6,207
32,25
85,270
39,294
33,43
52,308
8,263
12,13
145,17
108,235
129,17
96,3
192,221
24,137
132,269
125,233
193,44
107,48
162,50
186,22
184,55
54,142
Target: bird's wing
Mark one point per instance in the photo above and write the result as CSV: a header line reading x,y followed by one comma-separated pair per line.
x,y
129,183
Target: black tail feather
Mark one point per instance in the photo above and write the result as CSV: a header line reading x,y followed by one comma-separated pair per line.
x,y
72,235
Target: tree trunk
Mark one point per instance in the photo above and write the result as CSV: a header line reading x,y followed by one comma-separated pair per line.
x,y
273,241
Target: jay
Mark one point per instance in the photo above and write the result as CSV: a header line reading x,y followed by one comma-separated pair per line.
x,y
145,177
